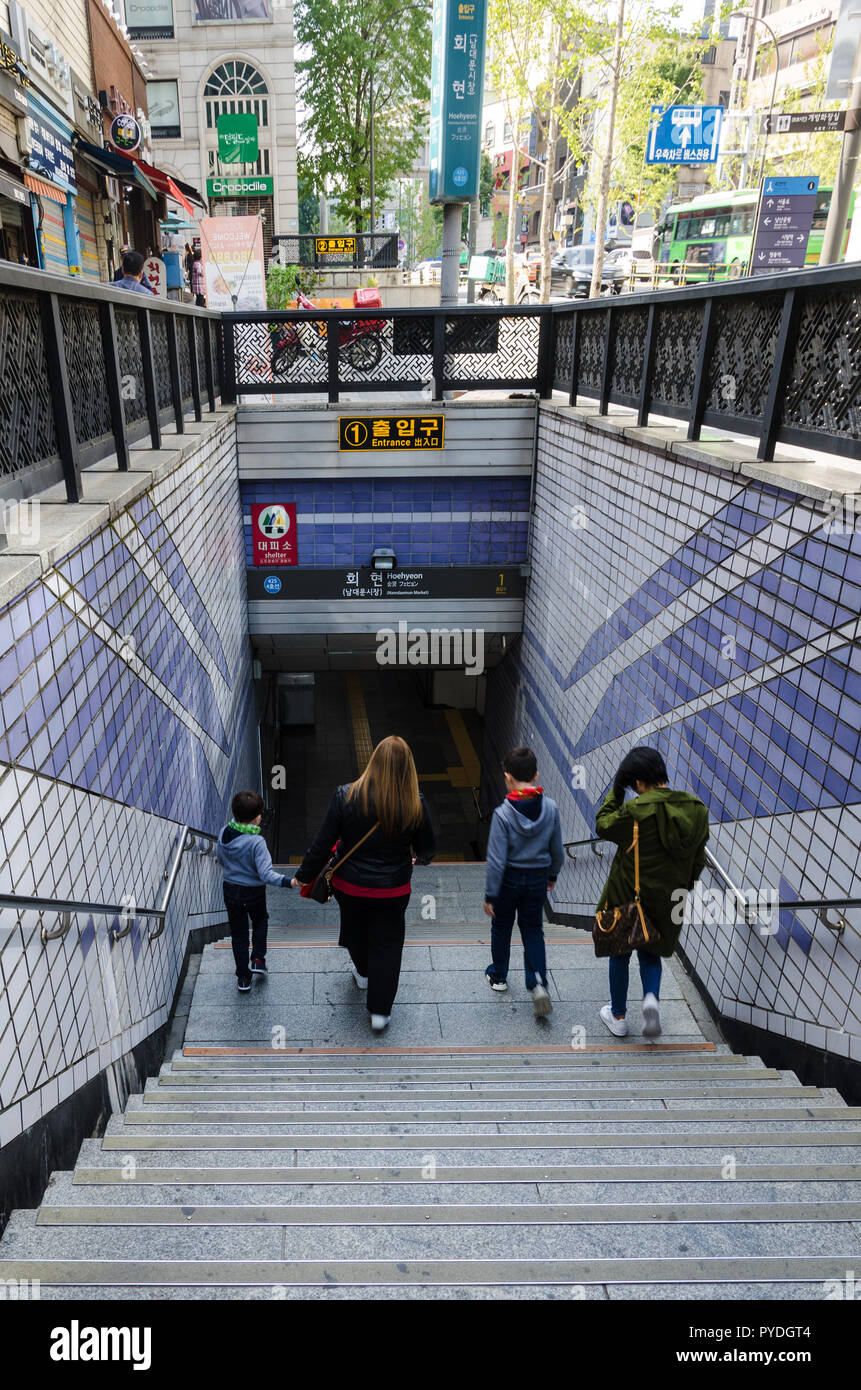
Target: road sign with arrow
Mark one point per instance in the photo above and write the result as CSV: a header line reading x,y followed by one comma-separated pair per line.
x,y
810,122
786,208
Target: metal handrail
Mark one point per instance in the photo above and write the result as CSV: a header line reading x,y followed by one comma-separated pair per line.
x,y
476,798
69,907
820,905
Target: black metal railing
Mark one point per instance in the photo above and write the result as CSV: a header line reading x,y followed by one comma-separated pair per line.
x,y
86,370
341,251
778,357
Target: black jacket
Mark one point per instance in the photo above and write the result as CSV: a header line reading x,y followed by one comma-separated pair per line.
x,y
380,862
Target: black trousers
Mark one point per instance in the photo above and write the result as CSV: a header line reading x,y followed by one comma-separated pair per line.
x,y
372,929
246,906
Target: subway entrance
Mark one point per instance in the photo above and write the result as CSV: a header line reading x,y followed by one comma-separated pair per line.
x,y
318,729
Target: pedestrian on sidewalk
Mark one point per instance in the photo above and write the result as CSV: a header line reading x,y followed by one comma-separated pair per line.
x,y
131,274
198,281
524,856
385,811
672,830
247,867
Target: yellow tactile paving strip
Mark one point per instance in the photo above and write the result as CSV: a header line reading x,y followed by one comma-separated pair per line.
x,y
359,718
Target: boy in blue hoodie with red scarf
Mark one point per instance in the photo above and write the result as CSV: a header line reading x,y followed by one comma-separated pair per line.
x,y
524,856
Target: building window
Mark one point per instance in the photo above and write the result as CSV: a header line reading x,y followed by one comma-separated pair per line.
x,y
506,133
163,110
232,88
489,133
217,169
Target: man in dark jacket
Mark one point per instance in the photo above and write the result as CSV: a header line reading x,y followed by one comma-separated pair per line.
x,y
673,827
524,856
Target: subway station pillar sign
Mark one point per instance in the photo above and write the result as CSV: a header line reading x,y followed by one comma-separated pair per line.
x,y
457,85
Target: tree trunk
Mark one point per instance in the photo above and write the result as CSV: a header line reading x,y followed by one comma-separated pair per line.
x,y
550,167
513,180
607,166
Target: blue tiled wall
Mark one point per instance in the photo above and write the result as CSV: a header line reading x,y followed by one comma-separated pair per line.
x,y
715,617
427,521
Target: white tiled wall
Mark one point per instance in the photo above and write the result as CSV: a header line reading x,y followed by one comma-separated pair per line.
x,y
127,712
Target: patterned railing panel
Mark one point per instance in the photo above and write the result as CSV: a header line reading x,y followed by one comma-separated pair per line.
x,y
161,361
629,349
82,338
131,365
279,355
485,350
590,357
184,361
401,354
27,432
824,386
744,338
563,343
677,343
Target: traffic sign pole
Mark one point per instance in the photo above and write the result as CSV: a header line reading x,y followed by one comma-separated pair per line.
x,y
847,172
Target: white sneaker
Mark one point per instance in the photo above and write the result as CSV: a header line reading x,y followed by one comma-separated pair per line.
x,y
499,986
361,980
541,1001
651,1017
380,1021
617,1026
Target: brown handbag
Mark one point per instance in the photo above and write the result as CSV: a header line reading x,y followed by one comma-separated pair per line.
x,y
321,888
618,930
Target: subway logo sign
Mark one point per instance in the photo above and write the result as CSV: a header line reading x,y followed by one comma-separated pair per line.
x,y
371,432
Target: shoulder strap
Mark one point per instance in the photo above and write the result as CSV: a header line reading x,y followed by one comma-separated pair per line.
x,y
345,857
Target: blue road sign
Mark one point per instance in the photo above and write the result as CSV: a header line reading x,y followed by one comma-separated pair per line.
x,y
786,209
807,183
684,134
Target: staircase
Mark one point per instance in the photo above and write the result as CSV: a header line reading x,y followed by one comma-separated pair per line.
x,y
435,1168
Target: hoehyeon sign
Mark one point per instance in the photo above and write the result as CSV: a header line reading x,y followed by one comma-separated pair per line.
x,y
251,186
457,84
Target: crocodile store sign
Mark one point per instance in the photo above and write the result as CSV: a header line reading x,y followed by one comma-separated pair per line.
x,y
252,186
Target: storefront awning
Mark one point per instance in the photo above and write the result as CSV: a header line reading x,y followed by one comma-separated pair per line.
x,y
45,189
192,194
164,183
115,164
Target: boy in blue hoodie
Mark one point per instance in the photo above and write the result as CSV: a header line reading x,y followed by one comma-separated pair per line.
x,y
247,867
524,856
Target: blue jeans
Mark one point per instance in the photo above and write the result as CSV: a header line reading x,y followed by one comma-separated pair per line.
x,y
522,896
650,974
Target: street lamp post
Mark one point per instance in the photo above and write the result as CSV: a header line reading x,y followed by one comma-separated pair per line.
x,y
757,19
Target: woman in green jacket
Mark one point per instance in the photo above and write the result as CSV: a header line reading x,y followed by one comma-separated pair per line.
x,y
673,830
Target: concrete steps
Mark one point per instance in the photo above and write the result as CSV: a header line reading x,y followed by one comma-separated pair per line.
x,y
528,1175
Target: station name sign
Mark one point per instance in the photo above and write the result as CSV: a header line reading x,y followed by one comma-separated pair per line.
x,y
372,432
435,582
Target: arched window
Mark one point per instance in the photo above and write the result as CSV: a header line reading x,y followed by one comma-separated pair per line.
x,y
235,87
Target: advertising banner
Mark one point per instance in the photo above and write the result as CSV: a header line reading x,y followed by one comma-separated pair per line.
x,y
457,84
51,147
232,257
237,138
163,109
149,19
229,11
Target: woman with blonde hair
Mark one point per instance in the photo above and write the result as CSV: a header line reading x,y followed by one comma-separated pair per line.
x,y
380,827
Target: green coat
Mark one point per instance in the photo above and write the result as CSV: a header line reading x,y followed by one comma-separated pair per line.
x,y
674,828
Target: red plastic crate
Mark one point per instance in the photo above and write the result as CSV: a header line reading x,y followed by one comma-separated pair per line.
x,y
367,299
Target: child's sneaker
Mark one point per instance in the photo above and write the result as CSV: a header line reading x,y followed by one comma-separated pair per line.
x,y
500,986
380,1021
541,1002
617,1026
361,980
258,966
243,984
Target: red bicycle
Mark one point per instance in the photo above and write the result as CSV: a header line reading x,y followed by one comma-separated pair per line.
x,y
359,340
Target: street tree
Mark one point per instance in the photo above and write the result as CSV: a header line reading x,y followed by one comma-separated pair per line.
x,y
365,78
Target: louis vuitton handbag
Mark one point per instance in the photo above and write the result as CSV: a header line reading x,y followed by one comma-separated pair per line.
x,y
617,930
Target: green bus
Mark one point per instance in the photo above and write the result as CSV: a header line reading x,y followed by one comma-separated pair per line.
x,y
711,237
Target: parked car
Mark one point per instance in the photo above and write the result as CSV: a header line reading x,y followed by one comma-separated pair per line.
x,y
571,272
